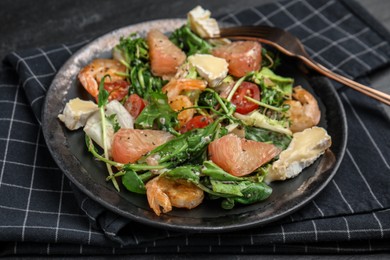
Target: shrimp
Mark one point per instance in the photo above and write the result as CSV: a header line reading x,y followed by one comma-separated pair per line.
x,y
166,193
177,101
176,86
91,75
304,111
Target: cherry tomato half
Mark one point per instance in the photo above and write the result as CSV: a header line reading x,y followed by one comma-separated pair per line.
x,y
243,105
117,89
196,122
134,105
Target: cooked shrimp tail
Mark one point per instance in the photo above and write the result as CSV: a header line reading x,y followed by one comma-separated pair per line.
x,y
163,194
304,111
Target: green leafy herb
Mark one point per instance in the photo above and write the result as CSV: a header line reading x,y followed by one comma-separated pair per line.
x,y
158,114
185,147
267,136
274,88
189,42
114,121
252,192
133,52
103,93
133,182
102,102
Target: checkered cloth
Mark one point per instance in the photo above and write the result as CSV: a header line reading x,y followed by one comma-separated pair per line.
x,y
42,213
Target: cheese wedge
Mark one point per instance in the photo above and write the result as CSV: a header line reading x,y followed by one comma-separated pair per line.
x,y
211,68
304,149
77,112
201,23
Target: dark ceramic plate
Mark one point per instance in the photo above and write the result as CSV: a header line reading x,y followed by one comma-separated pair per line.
x,y
88,175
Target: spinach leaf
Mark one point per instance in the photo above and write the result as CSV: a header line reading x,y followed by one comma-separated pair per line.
x,y
133,182
251,193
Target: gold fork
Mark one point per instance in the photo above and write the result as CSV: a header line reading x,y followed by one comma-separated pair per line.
x,y
290,45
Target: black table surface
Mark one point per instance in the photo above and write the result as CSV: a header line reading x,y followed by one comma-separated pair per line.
x,y
38,23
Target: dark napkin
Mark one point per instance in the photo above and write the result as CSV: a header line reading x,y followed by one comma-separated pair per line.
x,y
42,213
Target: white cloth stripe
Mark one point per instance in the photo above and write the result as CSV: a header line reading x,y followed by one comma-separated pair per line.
x,y
266,18
322,232
315,230
52,228
381,155
67,49
379,224
89,233
363,178
11,102
8,136
19,141
59,209
37,189
43,212
31,188
48,60
318,208
42,53
347,226
37,99
36,77
340,29
283,234
29,69
322,37
333,43
31,166
342,196
234,18
313,13
86,211
7,85
359,54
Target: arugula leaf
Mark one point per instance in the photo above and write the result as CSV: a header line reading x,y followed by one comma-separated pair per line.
x,y
133,52
103,93
158,114
185,147
189,42
274,88
267,136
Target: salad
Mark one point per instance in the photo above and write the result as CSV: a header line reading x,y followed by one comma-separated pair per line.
x,y
183,119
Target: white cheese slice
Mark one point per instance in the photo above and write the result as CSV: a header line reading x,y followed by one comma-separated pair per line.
x,y
304,149
125,120
93,129
76,113
202,24
211,68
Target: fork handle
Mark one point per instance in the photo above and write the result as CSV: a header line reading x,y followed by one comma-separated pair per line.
x,y
373,93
